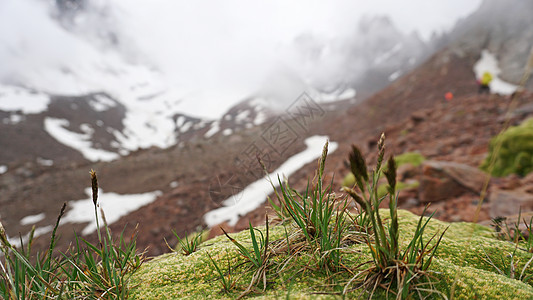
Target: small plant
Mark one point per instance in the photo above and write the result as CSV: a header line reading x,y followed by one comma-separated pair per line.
x,y
103,270
87,271
510,270
414,159
20,278
319,217
228,283
503,232
188,245
515,234
259,257
528,240
391,267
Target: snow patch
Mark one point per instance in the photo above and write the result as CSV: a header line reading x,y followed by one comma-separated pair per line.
x,y
256,193
387,55
173,184
227,131
101,103
215,127
80,142
13,119
32,219
395,75
25,238
260,118
489,63
3,169
340,94
144,128
199,125
186,127
242,116
18,99
179,121
45,162
114,206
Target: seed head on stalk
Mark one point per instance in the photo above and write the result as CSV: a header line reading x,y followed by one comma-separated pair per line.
x,y
94,185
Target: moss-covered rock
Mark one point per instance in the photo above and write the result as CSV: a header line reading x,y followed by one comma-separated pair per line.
x,y
512,151
467,259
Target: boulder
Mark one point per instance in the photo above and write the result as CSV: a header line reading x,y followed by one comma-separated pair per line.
x,y
509,202
444,180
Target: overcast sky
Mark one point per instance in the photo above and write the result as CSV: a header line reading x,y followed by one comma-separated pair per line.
x,y
424,16
236,35
226,47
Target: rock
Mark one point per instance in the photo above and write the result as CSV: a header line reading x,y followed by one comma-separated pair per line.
x,y
411,202
506,203
528,179
444,180
433,189
528,189
419,116
407,171
406,194
511,182
24,171
525,110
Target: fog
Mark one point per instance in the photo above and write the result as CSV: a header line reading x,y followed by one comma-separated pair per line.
x,y
223,50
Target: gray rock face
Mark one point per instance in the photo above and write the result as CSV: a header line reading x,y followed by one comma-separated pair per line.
x,y
505,29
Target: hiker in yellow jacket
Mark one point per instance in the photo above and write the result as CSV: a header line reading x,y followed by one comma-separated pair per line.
x,y
484,83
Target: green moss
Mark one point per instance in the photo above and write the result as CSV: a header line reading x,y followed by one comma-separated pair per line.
x,y
349,180
413,158
460,258
516,152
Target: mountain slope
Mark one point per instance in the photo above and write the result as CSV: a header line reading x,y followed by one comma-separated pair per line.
x,y
195,172
100,93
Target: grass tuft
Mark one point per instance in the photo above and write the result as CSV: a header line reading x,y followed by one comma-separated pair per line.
x,y
405,271
187,245
258,257
86,271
